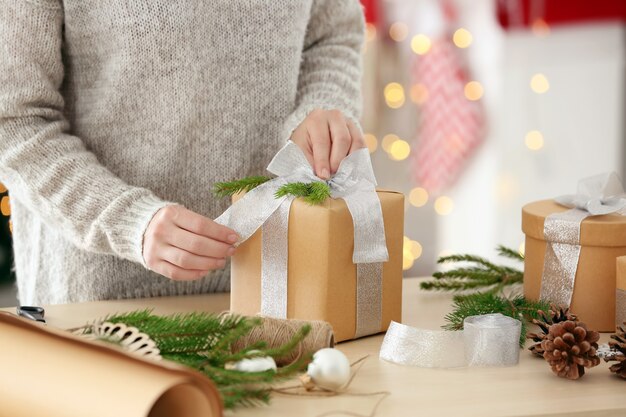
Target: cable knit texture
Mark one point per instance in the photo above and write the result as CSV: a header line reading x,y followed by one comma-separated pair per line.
x,y
111,110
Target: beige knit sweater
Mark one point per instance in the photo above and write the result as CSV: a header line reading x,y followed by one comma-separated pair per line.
x,y
109,110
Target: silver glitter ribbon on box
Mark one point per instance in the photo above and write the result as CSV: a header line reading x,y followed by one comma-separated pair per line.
x,y
355,183
597,195
487,340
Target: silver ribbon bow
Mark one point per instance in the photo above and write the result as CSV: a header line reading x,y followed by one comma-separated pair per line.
x,y
597,195
355,183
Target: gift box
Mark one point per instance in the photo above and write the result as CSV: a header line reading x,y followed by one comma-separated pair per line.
x,y
322,279
620,292
339,261
571,250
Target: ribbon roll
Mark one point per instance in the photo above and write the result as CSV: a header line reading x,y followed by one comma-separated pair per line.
x,y
355,183
597,195
487,340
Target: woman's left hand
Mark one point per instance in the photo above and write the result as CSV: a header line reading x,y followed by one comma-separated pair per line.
x,y
326,137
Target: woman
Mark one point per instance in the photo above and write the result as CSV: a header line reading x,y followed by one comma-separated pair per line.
x,y
117,117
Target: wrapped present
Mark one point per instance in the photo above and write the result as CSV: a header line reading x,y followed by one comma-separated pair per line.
x,y
620,292
339,261
572,243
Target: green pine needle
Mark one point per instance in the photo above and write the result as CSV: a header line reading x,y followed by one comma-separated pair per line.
x,y
230,188
314,193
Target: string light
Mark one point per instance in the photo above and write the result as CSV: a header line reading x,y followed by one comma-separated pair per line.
x,y
398,31
473,90
539,83
5,206
444,205
394,95
420,44
407,262
462,38
371,142
534,140
419,93
399,150
3,189
418,197
388,140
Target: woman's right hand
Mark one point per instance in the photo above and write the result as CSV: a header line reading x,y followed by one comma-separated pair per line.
x,y
183,245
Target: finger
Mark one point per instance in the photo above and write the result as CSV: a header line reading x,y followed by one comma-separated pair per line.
x,y
197,244
177,273
300,138
204,226
340,138
319,135
187,260
357,137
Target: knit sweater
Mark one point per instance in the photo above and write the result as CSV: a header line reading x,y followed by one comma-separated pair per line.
x,y
111,110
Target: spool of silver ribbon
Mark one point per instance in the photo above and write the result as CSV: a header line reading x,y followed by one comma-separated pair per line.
x,y
355,183
487,340
597,195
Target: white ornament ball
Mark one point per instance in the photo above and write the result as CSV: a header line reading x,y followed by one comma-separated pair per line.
x,y
259,364
330,369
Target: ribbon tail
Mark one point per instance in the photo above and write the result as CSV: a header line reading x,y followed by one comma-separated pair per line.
x,y
369,298
274,262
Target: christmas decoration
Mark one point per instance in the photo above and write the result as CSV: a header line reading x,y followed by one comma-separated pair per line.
x,y
483,275
451,121
203,341
260,364
487,303
554,315
618,352
315,192
569,348
571,246
129,338
336,267
330,369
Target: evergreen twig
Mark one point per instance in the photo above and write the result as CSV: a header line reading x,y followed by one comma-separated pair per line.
x,y
230,188
314,193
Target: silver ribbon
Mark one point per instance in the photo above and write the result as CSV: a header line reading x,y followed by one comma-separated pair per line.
x,y
487,340
355,183
597,195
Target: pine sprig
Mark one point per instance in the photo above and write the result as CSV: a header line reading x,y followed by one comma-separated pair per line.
x,y
203,341
487,303
230,188
481,274
314,193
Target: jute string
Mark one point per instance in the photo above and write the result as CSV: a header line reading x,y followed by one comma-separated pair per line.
x,y
277,332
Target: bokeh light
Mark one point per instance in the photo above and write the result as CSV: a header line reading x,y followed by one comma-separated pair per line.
x,y
420,44
534,140
388,140
3,189
371,142
462,38
522,248
539,83
418,197
5,206
394,95
399,150
398,31
473,90
419,93
540,28
444,205
370,32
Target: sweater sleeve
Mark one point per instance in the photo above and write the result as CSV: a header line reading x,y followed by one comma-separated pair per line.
x,y
330,71
47,169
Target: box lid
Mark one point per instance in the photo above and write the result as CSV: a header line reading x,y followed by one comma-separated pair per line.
x,y
607,230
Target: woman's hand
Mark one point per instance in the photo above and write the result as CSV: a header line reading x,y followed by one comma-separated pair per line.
x,y
183,245
326,137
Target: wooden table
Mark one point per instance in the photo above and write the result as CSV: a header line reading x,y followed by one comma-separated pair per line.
x,y
529,389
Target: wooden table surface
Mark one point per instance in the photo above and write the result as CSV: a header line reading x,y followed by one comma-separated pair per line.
x,y
528,389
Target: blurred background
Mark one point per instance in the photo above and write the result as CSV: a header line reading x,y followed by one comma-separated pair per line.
x,y
474,108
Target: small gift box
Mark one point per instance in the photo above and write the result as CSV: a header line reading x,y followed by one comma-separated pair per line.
x,y
572,244
339,261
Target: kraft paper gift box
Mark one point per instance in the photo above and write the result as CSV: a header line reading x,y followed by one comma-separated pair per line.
x,y
602,239
322,279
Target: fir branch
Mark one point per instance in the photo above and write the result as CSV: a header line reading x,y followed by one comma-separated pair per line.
x,y
486,303
510,253
229,188
314,193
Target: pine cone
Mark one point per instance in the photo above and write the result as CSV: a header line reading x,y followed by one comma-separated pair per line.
x,y
555,315
569,348
618,345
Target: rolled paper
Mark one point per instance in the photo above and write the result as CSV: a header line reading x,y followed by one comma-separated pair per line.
x,y
355,183
597,195
491,340
487,340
